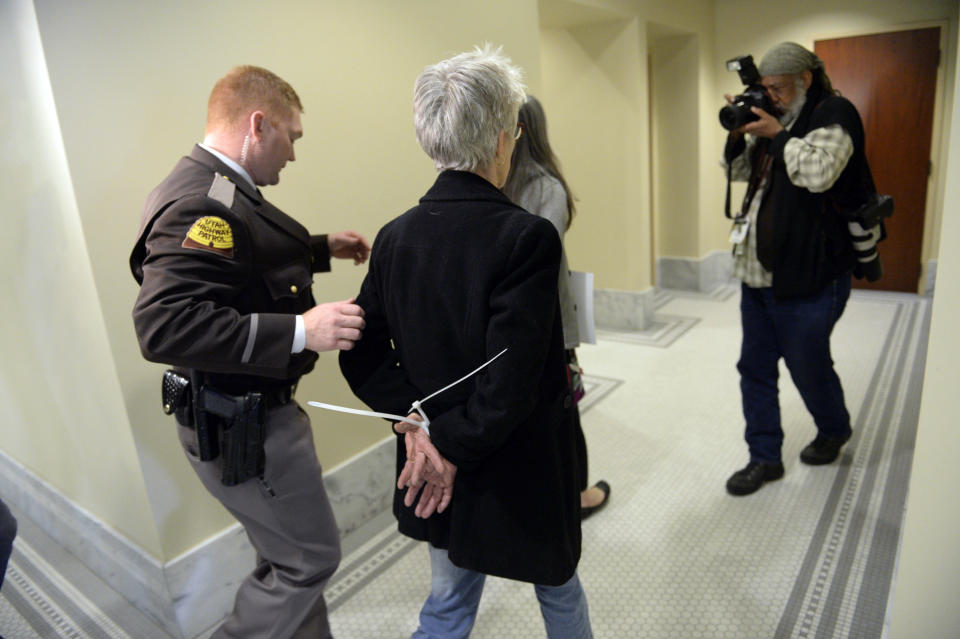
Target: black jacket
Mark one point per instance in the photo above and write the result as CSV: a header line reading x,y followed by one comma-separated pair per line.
x,y
452,282
226,310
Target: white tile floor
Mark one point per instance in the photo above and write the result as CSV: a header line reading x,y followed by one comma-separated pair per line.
x,y
673,556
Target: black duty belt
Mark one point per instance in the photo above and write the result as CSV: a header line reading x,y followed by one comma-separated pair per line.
x,y
251,405
226,404
274,392
279,396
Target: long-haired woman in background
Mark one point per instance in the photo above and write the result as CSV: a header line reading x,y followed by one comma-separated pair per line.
x,y
536,183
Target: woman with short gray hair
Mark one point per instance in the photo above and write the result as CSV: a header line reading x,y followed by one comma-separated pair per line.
x,y
462,281
461,105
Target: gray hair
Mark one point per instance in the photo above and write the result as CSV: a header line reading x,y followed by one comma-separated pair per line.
x,y
461,104
788,58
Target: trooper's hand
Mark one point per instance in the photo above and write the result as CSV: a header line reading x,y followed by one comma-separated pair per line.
x,y
349,245
333,326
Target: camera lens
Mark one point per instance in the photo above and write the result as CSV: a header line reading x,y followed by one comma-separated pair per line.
x,y
734,116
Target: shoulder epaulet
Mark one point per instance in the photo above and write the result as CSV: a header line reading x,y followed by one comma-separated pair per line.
x,y
222,190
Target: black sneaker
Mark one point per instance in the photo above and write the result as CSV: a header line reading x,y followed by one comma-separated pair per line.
x,y
823,449
750,478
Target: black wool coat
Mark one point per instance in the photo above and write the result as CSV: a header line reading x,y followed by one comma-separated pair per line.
x,y
452,282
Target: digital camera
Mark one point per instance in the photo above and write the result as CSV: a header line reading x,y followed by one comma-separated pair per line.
x,y
736,114
866,229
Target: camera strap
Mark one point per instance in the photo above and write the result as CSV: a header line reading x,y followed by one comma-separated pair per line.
x,y
756,179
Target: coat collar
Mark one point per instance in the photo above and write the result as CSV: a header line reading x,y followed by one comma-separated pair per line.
x,y
261,206
463,185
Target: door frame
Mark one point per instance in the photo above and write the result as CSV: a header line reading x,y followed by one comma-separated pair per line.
x,y
936,184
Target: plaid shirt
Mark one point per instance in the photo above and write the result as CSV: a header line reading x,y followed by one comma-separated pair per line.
x,y
814,162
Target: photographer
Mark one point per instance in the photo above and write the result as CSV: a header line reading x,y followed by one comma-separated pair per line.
x,y
803,161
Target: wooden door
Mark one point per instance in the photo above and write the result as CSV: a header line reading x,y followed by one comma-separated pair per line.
x,y
891,78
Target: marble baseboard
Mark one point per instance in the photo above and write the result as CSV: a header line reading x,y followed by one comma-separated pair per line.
x,y
695,274
362,487
931,279
127,568
623,310
192,592
204,580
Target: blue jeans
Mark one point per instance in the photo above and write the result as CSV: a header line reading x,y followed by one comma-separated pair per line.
x,y
455,592
798,330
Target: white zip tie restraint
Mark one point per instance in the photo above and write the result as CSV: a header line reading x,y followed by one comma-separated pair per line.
x,y
416,406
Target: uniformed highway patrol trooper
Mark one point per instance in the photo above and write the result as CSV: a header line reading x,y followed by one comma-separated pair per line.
x,y
226,299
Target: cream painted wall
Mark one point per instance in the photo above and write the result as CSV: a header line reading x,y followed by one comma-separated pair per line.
x,y
594,96
925,591
63,414
594,55
753,26
131,96
675,142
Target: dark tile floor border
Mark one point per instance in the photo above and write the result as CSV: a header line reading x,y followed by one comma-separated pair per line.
x,y
843,517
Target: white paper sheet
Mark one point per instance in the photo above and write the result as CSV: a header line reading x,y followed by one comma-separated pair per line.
x,y
582,286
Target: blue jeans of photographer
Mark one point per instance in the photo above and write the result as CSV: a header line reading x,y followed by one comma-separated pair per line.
x,y
798,330
451,608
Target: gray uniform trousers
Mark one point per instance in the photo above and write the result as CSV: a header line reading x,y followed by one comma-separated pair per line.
x,y
288,519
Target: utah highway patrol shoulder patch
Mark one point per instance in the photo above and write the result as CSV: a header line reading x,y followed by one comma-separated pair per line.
x,y
210,233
